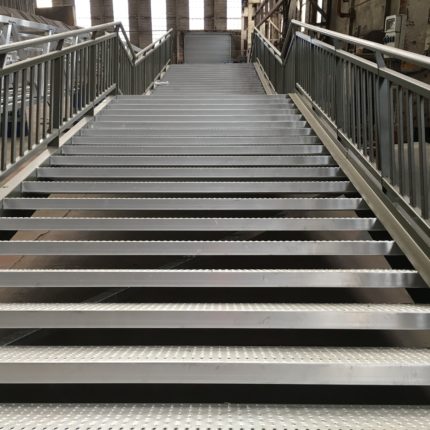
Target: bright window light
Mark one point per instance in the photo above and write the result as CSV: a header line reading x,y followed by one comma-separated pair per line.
x,y
303,11
158,18
197,14
319,16
44,3
83,13
234,14
120,13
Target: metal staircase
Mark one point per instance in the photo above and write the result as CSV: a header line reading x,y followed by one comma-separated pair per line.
x,y
203,242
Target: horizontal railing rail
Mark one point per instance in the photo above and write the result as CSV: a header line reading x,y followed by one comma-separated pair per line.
x,y
269,57
156,43
380,114
396,53
41,97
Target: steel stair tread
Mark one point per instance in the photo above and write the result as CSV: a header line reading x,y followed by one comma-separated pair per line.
x,y
215,365
185,204
190,224
150,112
192,160
190,172
200,247
227,278
189,132
127,187
222,416
125,149
335,355
197,140
345,316
163,117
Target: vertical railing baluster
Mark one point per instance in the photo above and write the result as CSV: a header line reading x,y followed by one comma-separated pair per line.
x,y
31,109
411,149
46,69
57,95
424,188
401,142
14,122
38,101
4,125
23,112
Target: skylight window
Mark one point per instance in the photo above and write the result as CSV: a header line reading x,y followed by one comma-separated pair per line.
x,y
83,13
158,18
197,14
44,3
234,14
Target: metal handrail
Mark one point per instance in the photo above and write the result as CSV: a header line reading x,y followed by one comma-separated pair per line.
x,y
5,49
153,44
144,53
399,54
116,26
268,43
374,114
41,97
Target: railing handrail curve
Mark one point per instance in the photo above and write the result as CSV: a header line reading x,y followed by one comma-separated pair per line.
x,y
5,49
399,54
275,50
153,44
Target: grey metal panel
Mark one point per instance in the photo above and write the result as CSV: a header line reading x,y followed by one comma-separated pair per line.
x,y
211,160
264,98
189,172
214,101
197,112
199,116
232,278
227,187
199,248
189,130
205,48
197,140
225,416
196,126
215,365
216,316
125,149
186,203
192,224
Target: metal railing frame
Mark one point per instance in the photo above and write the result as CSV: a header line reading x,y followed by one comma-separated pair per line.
x,y
42,97
379,116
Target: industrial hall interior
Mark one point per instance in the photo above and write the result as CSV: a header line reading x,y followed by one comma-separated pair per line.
x,y
214,215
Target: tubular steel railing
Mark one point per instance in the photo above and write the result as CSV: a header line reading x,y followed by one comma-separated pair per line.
x,y
380,114
43,96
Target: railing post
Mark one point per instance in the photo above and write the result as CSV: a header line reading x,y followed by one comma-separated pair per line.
x,y
116,61
384,104
92,75
339,100
57,95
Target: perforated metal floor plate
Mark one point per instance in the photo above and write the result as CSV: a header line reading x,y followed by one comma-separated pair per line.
x,y
216,354
214,365
211,417
216,315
